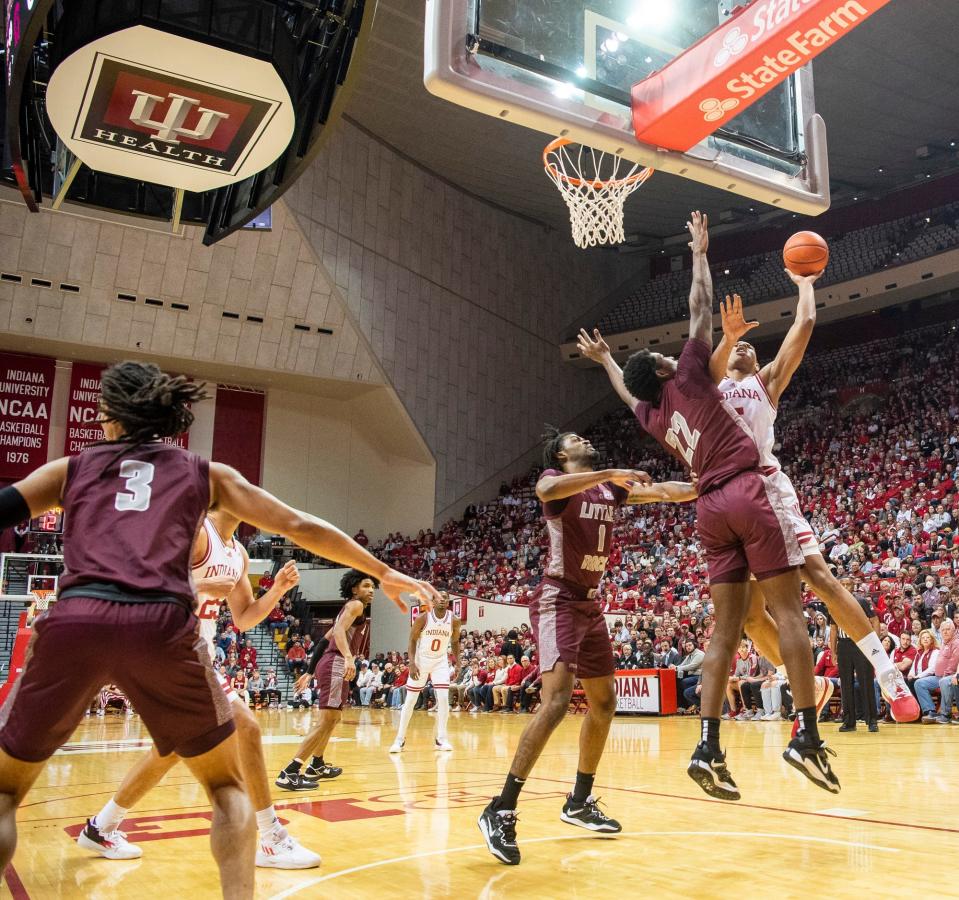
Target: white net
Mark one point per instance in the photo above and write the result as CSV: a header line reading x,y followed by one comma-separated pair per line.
x,y
595,185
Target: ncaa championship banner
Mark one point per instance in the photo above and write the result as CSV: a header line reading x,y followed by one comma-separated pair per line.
x,y
157,107
26,391
758,47
83,428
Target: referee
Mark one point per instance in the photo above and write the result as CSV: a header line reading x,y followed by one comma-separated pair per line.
x,y
853,668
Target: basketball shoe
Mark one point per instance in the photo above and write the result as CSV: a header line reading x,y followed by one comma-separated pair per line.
x,y
110,844
810,757
320,770
708,769
278,850
588,815
397,746
824,689
902,704
443,744
499,831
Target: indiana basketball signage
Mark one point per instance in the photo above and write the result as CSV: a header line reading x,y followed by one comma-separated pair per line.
x,y
637,692
155,106
760,46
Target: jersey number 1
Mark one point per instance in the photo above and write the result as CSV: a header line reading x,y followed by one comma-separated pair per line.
x,y
139,476
681,438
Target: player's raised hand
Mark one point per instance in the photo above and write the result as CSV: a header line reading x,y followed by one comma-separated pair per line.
x,y
287,578
698,227
734,322
592,347
395,583
800,280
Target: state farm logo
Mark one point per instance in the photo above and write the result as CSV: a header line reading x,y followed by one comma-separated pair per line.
x,y
713,110
734,43
216,118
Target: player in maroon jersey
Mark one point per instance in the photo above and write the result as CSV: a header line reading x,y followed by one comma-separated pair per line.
x,y
741,518
572,640
133,506
334,668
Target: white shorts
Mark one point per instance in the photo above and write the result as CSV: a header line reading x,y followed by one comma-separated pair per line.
x,y
435,670
805,534
231,694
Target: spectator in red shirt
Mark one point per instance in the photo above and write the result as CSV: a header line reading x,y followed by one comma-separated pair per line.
x,y
248,655
296,659
361,538
515,681
276,620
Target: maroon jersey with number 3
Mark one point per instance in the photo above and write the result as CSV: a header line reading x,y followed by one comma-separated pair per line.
x,y
580,532
130,518
698,426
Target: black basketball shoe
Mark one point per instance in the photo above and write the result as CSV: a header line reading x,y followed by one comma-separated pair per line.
x,y
499,832
317,773
295,781
708,769
810,757
588,815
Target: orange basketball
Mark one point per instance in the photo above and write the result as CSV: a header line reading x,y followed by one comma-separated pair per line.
x,y
805,253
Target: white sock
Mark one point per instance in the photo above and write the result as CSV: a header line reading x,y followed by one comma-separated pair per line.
x,y
873,651
110,817
265,820
406,715
781,671
442,713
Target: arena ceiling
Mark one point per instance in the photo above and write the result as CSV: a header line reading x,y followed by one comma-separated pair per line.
x,y
889,88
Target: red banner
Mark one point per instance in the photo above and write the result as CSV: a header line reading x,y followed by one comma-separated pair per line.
x,y
83,428
26,391
731,68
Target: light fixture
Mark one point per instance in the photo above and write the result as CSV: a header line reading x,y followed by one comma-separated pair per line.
x,y
725,271
581,71
563,90
880,170
610,45
655,14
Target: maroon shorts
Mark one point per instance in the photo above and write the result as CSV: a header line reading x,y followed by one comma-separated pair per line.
x,y
332,688
570,630
745,527
152,651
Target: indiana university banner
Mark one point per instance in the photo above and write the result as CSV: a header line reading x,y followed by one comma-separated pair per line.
x,y
26,390
83,428
756,48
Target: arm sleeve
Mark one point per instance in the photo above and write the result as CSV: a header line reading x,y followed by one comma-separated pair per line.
x,y
13,508
692,372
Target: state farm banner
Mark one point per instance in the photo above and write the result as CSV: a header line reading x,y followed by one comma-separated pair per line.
x,y
732,67
83,428
26,389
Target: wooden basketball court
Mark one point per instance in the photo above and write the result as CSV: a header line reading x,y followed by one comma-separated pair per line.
x,y
406,826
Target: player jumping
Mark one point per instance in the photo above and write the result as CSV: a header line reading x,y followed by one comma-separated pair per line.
x,y
430,638
740,516
220,566
572,639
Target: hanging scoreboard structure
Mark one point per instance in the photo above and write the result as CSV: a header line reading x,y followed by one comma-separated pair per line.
x,y
201,111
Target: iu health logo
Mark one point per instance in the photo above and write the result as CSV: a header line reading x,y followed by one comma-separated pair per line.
x,y
146,111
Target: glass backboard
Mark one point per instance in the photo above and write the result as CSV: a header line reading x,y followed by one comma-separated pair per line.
x,y
565,68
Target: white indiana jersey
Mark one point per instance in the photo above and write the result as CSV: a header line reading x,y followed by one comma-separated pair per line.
x,y
750,399
435,637
221,561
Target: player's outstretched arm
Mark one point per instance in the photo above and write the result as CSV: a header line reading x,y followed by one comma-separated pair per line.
x,y
559,487
247,610
734,327
231,491
663,492
595,348
701,291
777,374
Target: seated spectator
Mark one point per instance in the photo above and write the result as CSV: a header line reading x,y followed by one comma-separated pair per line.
x,y
364,677
463,682
388,676
744,665
239,685
373,683
276,620
247,655
481,675
296,659
668,656
772,699
646,659
750,689
111,696
530,688
398,690
254,685
516,671
689,674
304,699
944,678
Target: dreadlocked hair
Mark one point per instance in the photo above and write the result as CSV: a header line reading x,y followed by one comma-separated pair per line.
x,y
148,403
640,378
552,446
351,579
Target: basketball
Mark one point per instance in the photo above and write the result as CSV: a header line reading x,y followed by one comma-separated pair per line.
x,y
805,253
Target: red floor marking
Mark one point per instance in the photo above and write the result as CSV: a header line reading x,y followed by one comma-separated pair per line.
x,y
17,890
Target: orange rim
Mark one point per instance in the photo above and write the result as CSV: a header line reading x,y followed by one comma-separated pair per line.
x,y
636,178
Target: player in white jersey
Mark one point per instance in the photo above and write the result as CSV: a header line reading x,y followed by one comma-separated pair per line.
x,y
754,392
220,566
431,636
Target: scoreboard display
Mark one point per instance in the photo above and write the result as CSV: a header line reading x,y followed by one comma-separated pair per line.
x,y
51,522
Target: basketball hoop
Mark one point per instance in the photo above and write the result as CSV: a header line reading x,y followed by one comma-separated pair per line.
x,y
595,185
44,600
